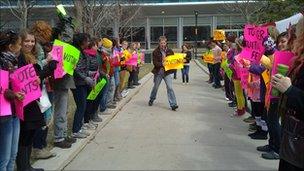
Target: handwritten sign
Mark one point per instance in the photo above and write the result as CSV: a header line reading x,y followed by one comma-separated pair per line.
x,y
254,36
70,56
219,35
208,57
244,75
175,61
133,60
57,54
5,105
97,89
24,80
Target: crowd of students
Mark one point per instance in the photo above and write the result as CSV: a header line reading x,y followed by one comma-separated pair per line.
x,y
281,117
100,58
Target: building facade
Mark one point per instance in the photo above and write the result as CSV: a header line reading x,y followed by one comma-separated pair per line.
x,y
174,19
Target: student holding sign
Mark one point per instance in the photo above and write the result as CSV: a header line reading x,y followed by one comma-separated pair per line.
x,y
83,83
159,54
216,51
10,45
31,75
185,70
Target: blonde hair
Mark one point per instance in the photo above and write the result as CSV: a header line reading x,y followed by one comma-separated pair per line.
x,y
162,38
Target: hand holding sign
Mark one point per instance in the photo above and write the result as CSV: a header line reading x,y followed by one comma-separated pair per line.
x,y
175,61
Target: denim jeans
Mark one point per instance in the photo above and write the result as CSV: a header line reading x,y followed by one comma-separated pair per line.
x,y
104,97
168,80
274,127
80,96
216,74
210,69
111,91
116,76
9,138
60,114
185,73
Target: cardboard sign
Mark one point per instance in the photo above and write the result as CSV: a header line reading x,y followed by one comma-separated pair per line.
x,y
226,68
254,36
175,61
219,35
97,89
244,75
24,80
208,57
70,56
133,60
281,57
5,105
57,54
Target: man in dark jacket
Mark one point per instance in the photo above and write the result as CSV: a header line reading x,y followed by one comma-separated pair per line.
x,y
159,72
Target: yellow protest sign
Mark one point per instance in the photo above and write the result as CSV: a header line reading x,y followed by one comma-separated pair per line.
x,y
175,61
219,35
208,57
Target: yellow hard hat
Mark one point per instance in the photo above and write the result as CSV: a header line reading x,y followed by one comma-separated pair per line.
x,y
107,43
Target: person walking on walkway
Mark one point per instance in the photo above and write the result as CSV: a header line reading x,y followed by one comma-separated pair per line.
x,y
159,73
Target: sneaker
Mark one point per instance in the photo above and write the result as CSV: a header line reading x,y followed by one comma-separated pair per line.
x,y
97,119
71,139
227,99
271,156
265,148
84,132
184,83
111,106
232,104
174,107
63,144
150,102
131,87
250,119
42,153
94,124
259,135
187,83
79,135
124,93
252,127
88,126
137,84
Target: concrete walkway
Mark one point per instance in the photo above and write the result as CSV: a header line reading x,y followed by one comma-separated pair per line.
x,y
200,135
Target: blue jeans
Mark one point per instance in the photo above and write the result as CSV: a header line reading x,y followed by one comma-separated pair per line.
x,y
274,127
104,97
111,91
216,74
116,76
80,96
185,73
168,80
9,138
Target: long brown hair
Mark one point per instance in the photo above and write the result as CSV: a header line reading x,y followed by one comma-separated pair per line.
x,y
30,57
298,48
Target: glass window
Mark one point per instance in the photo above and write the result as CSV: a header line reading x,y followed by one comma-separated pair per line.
x,y
190,21
203,33
138,34
156,21
170,21
171,33
155,33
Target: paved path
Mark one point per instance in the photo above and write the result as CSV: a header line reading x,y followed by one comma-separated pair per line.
x,y
201,135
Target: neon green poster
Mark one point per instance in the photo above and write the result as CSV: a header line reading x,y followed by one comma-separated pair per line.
x,y
70,56
97,89
226,68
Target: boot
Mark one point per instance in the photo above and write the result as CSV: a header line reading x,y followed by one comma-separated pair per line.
x,y
116,94
29,166
22,159
42,153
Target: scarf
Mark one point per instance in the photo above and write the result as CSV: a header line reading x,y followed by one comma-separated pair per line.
x,y
8,61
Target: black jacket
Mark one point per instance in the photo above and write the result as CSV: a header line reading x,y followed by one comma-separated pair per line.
x,y
158,61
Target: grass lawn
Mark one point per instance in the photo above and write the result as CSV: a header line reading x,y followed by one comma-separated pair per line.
x,y
144,70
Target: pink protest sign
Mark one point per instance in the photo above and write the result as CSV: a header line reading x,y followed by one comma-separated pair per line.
x,y
24,80
133,60
57,54
281,57
254,36
5,106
